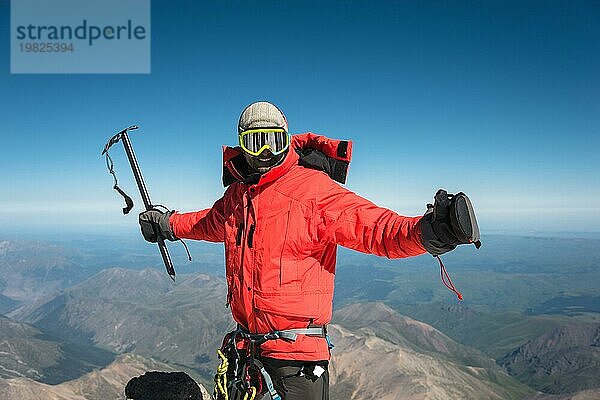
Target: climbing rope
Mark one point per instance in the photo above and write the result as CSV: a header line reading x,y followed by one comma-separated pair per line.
x,y
221,376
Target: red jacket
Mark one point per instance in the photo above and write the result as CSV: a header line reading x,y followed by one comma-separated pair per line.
x,y
281,233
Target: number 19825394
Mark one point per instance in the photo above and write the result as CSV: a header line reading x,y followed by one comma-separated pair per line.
x,y
46,47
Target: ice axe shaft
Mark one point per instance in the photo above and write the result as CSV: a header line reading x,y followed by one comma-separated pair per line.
x,y
139,179
135,167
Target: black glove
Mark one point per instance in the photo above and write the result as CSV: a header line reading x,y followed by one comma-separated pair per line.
x,y
448,223
155,223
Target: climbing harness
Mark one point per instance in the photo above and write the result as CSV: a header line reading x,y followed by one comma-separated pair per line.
x,y
241,371
123,137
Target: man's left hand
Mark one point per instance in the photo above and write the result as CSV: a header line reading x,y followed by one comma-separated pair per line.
x,y
439,232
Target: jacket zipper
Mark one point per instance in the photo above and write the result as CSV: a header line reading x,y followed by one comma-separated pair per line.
x,y
238,242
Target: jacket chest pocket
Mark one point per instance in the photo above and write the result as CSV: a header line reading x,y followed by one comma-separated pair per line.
x,y
268,243
285,244
288,263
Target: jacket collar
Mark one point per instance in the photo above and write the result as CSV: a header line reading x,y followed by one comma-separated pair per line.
x,y
235,168
338,152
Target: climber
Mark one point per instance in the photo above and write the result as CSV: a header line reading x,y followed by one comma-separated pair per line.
x,y
281,218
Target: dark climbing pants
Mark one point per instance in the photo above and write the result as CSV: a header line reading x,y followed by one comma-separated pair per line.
x,y
294,380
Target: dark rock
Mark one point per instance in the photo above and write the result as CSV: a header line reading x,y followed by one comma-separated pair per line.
x,y
163,386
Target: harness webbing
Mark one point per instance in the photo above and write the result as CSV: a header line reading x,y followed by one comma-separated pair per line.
x,y
287,334
242,378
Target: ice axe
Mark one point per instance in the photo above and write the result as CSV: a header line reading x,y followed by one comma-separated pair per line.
x,y
123,137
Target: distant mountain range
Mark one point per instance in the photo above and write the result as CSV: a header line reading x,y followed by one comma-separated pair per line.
x,y
27,352
398,333
426,357
32,269
494,333
142,312
563,360
414,335
508,273
389,356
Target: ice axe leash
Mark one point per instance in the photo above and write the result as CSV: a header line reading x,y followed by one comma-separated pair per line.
x,y
123,137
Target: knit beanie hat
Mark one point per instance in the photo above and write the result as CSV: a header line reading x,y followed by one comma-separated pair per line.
x,y
262,114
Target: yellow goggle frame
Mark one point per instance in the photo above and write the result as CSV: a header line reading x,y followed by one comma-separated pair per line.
x,y
265,146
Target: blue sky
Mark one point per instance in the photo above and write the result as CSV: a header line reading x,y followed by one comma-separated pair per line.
x,y
498,99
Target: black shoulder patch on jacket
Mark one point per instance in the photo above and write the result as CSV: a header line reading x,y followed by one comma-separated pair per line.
x,y
342,150
314,159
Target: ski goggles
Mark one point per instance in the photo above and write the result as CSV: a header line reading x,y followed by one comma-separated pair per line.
x,y
255,141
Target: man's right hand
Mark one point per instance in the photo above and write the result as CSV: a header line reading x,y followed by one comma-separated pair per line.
x,y
155,224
